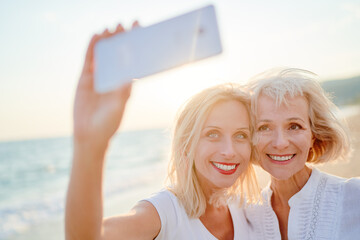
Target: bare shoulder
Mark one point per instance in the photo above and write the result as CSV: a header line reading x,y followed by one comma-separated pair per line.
x,y
142,222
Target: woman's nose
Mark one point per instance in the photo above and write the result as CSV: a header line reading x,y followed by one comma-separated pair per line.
x,y
228,150
280,140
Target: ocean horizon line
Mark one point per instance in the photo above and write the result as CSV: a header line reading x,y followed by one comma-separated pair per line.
x,y
54,137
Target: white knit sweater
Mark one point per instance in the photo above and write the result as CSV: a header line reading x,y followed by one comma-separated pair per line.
x,y
327,207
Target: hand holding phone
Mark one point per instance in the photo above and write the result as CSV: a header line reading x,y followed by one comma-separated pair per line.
x,y
148,50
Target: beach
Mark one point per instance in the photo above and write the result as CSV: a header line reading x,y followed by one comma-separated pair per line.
x,y
350,168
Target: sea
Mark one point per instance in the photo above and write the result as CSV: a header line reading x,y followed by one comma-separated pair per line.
x,y
34,176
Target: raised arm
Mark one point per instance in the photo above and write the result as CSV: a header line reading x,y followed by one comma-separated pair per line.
x,y
96,119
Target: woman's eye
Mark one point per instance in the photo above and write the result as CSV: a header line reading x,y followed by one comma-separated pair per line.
x,y
213,135
263,128
295,127
241,135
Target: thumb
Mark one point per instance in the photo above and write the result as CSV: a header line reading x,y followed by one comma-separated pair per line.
x,y
124,91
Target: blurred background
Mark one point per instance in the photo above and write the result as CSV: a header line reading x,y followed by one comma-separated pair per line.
x,y
42,47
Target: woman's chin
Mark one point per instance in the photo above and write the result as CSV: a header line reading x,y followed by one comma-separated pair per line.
x,y
223,184
280,175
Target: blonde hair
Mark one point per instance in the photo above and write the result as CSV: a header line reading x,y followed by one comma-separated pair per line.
x,y
332,140
186,134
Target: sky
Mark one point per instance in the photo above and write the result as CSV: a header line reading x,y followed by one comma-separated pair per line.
x,y
42,47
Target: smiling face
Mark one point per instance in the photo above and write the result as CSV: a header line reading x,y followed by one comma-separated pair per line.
x,y
283,135
224,149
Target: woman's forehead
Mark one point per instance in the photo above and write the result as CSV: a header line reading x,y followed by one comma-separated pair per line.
x,y
297,105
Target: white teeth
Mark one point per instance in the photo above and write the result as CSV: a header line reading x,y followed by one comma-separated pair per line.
x,y
224,167
281,158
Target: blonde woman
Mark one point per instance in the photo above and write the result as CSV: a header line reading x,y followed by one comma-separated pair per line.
x,y
295,129
209,167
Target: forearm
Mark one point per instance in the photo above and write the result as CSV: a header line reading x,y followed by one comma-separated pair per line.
x,y
84,206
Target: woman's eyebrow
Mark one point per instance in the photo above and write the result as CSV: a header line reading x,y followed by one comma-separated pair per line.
x,y
264,121
210,126
296,119
241,128
288,119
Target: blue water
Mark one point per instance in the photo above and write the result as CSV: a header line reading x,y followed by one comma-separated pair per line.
x,y
34,175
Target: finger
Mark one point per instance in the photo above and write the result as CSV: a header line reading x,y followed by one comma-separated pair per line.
x,y
135,24
89,57
91,64
119,28
125,91
105,33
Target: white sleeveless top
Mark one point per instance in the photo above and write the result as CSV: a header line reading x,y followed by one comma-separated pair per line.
x,y
175,223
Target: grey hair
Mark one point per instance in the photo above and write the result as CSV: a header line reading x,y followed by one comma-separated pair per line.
x,y
332,140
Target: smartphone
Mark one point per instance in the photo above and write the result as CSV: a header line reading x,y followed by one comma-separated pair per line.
x,y
144,51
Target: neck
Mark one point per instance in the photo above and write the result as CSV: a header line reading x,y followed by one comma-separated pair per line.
x,y
208,192
208,188
213,195
283,190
